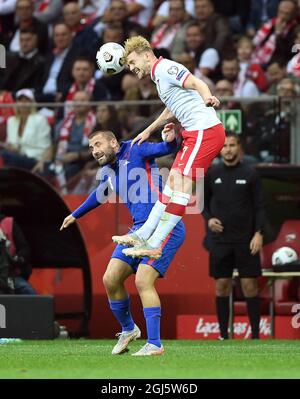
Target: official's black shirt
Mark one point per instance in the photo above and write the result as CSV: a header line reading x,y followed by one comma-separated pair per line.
x,y
233,194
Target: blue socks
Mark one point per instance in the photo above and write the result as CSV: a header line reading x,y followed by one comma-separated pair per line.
x,y
121,310
152,316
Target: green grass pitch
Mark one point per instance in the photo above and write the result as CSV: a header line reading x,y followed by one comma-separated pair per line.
x,y
183,359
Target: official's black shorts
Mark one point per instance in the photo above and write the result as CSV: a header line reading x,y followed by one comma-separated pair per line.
x,y
223,258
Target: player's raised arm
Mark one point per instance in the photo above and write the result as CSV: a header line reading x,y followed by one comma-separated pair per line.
x,y
194,83
145,134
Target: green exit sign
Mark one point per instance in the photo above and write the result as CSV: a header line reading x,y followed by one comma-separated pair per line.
x,y
231,119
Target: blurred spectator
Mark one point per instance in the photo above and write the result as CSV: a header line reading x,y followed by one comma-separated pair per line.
x,y
25,19
249,69
140,11
162,13
116,13
138,30
19,257
171,33
206,59
28,135
276,71
144,90
275,37
93,8
224,88
293,66
261,11
23,69
216,27
84,37
7,10
129,81
236,11
72,138
7,6
107,119
113,33
57,75
48,11
5,112
242,87
83,71
272,127
189,62
287,88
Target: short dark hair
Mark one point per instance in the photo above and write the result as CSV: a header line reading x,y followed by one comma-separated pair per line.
x,y
196,24
61,23
30,30
230,58
231,133
108,134
279,61
85,59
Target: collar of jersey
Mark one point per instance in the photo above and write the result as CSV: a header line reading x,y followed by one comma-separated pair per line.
x,y
121,151
154,67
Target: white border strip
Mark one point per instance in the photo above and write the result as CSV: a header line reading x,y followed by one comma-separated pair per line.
x,y
194,153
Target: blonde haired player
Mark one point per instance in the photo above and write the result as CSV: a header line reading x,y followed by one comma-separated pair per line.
x,y
188,99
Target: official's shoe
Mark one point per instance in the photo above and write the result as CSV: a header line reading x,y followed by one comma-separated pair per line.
x,y
143,250
129,240
124,338
149,350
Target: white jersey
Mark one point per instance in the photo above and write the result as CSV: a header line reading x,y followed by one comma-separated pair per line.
x,y
185,104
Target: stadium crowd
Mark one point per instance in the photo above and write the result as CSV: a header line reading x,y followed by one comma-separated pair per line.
x,y
239,48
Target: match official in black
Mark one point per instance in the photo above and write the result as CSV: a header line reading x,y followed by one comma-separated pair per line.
x,y
234,212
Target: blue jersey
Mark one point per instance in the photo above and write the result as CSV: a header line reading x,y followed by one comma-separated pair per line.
x,y
134,177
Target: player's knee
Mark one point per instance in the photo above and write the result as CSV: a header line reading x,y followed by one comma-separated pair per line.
x,y
141,284
111,281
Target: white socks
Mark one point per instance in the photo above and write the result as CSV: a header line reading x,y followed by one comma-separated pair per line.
x,y
172,215
154,217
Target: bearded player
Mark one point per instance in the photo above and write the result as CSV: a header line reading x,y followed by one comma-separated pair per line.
x,y
124,167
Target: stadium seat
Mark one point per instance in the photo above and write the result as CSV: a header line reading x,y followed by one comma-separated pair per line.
x,y
287,292
288,236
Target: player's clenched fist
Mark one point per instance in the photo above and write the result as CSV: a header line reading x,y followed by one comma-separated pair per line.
x,y
66,223
212,101
168,133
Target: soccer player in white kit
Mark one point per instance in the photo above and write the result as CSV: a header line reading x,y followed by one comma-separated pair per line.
x,y
191,102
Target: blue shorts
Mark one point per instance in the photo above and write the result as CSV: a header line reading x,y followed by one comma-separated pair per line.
x,y
161,265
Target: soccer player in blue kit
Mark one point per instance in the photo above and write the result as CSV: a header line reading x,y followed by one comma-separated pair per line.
x,y
123,168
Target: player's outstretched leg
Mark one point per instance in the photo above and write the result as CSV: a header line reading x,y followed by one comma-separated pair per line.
x,y
182,187
143,250
129,240
144,232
